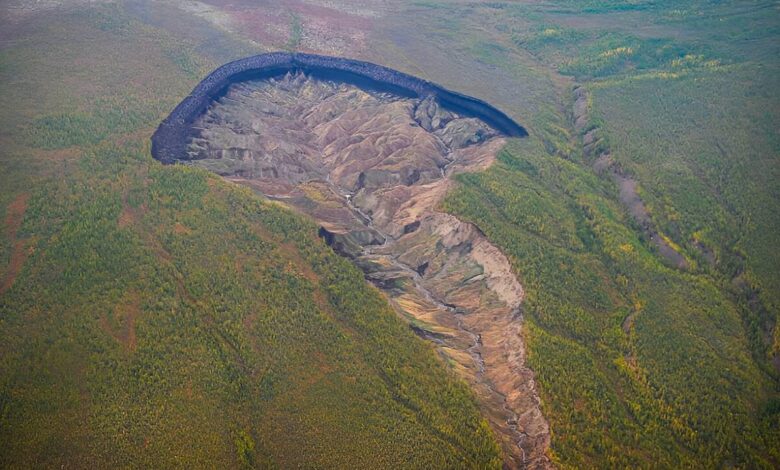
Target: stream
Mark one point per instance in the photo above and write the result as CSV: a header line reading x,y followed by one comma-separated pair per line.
x,y
475,348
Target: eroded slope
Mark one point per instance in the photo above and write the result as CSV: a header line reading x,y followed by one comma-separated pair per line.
x,y
371,168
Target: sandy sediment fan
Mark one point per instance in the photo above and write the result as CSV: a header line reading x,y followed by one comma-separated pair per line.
x,y
169,142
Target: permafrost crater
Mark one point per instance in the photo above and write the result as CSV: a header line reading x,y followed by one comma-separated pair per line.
x,y
368,152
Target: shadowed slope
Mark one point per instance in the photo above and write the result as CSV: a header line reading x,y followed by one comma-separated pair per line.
x,y
168,141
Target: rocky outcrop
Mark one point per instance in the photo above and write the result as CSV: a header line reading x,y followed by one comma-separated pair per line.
x,y
371,167
168,142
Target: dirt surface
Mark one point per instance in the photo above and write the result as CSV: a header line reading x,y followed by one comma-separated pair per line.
x,y
371,168
21,247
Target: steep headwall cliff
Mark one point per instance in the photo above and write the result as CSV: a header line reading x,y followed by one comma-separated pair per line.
x,y
169,142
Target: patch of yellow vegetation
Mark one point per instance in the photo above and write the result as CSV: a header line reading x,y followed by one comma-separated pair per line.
x,y
618,51
691,262
638,304
670,242
320,194
695,60
643,76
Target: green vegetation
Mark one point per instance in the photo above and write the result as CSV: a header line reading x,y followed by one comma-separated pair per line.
x,y
598,55
57,131
296,32
159,317
641,365
599,305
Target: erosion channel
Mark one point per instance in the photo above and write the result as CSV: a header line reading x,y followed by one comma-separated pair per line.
x,y
371,166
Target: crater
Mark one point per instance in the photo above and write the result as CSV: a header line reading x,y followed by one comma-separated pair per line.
x,y
168,141
368,153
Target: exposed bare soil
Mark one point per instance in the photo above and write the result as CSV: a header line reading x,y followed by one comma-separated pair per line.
x,y
371,168
21,247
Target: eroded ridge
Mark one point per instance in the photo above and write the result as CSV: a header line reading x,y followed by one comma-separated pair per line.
x,y
371,168
169,140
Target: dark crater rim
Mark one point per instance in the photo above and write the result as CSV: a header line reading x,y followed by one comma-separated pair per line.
x,y
169,142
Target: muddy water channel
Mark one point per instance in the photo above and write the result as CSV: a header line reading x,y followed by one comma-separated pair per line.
x,y
371,168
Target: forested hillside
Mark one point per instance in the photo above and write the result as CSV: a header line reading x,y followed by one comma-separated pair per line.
x,y
159,317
